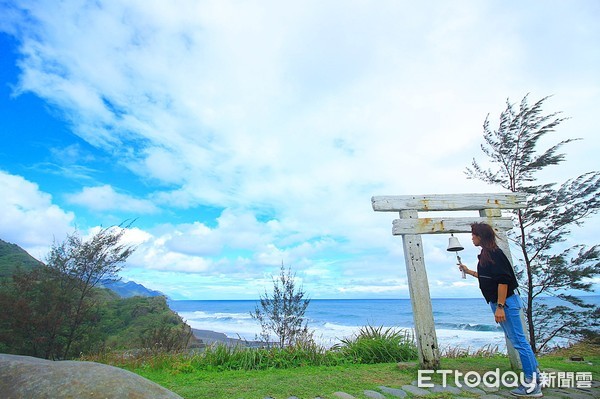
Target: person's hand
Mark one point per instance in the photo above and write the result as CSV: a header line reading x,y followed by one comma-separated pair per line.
x,y
463,268
500,316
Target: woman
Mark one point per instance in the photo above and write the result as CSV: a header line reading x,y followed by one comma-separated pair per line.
x,y
497,282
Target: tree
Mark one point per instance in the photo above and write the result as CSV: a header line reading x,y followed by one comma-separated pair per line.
x,y
283,313
546,267
31,319
79,266
52,310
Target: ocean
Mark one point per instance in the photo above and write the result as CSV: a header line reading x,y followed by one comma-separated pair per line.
x,y
459,323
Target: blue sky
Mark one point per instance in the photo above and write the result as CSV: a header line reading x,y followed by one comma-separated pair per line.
x,y
240,135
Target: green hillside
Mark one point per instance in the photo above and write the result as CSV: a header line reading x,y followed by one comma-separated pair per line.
x,y
12,256
36,312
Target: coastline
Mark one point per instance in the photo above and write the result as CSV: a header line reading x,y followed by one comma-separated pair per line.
x,y
447,339
458,323
209,337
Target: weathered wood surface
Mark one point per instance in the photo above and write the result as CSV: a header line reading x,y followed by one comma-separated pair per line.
x,y
447,225
449,202
429,356
410,227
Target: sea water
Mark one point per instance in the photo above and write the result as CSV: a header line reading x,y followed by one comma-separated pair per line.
x,y
459,323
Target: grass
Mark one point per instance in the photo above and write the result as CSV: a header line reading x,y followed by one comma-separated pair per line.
x,y
378,345
303,382
192,377
323,381
371,345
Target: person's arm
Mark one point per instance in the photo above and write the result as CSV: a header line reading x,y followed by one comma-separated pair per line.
x,y
468,271
500,316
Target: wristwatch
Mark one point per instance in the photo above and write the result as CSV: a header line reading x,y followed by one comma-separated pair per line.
x,y
500,305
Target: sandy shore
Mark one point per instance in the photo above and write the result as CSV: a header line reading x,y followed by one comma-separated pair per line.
x,y
212,337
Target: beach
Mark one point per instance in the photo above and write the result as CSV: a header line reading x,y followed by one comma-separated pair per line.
x,y
212,337
466,323
447,340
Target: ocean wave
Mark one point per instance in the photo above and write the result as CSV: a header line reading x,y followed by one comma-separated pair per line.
x,y
470,339
330,324
201,315
329,334
470,326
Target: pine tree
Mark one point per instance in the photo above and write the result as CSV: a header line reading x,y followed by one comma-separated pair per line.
x,y
51,311
282,313
546,267
80,265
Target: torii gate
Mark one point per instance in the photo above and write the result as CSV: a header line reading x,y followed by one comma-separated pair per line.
x,y
410,227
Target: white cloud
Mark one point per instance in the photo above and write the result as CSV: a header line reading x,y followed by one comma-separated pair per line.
x,y
158,259
300,112
29,217
105,198
162,165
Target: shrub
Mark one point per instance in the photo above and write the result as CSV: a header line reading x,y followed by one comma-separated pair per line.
x,y
370,345
455,352
282,313
378,345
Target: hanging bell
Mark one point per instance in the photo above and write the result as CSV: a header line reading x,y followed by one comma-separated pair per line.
x,y
454,244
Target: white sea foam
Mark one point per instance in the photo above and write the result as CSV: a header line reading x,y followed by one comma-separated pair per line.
x,y
241,325
234,325
469,339
198,314
460,323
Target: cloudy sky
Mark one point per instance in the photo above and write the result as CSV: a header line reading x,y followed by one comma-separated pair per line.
x,y
243,134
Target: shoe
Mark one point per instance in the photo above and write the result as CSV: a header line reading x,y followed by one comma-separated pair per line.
x,y
541,378
527,392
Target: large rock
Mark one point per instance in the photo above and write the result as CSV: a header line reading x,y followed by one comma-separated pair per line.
x,y
24,377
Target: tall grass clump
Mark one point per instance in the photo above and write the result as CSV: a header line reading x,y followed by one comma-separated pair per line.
x,y
371,345
455,352
224,357
134,359
221,356
378,345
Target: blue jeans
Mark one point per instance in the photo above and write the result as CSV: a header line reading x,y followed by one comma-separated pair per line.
x,y
513,329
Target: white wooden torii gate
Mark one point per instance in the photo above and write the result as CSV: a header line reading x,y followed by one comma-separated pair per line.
x,y
410,227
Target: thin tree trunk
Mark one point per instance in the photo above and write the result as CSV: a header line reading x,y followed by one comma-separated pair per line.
x,y
529,310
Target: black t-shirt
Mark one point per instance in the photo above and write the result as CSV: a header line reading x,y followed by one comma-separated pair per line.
x,y
499,271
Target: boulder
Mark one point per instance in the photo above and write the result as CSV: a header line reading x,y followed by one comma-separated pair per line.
x,y
24,377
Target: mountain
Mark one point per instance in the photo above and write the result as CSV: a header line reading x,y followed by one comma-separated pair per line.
x,y
132,316
12,257
129,289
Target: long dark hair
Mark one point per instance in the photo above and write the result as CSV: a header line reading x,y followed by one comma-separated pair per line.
x,y
487,238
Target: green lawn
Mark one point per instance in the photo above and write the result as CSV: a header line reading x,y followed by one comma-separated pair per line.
x,y
303,382
312,382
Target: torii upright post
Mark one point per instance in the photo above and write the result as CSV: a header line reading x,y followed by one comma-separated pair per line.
x,y
410,227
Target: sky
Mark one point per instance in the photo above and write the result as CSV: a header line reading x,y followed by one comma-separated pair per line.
x,y
242,135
